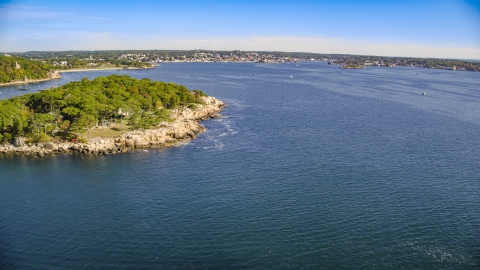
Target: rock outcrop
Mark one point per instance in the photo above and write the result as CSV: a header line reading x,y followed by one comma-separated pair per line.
x,y
185,127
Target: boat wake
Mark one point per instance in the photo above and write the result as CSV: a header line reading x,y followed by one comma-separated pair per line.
x,y
439,253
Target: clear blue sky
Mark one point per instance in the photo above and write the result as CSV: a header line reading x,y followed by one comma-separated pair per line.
x,y
444,29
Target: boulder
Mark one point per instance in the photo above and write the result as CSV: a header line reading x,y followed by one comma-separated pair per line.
x,y
130,143
141,142
19,141
51,146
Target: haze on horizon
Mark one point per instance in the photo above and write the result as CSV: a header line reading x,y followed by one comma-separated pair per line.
x,y
423,28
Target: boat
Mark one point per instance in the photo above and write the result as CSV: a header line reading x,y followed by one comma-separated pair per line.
x,y
23,87
424,94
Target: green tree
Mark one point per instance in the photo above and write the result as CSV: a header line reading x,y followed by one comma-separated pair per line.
x,y
84,122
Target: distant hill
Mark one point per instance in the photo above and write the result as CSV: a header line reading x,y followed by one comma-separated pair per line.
x,y
14,68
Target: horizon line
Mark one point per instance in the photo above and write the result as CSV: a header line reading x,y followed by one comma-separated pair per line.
x,y
194,50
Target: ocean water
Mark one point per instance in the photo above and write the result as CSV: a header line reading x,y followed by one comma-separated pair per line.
x,y
309,167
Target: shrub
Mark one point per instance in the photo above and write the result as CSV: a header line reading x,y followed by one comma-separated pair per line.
x,y
82,140
42,137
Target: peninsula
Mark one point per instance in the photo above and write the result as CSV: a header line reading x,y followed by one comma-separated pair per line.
x,y
17,70
121,112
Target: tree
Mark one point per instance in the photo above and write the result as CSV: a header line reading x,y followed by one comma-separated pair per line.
x,y
104,110
84,122
134,121
41,120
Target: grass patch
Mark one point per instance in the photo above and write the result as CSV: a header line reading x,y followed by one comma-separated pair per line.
x,y
118,129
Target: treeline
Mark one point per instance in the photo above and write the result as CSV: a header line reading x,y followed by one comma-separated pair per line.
x,y
79,59
78,106
107,55
17,68
113,54
77,63
408,61
90,59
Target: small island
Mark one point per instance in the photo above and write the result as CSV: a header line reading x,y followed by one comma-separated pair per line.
x,y
349,66
106,115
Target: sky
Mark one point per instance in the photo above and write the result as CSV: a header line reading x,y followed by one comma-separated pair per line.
x,y
421,28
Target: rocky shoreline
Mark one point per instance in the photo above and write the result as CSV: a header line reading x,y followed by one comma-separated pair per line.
x,y
52,76
185,127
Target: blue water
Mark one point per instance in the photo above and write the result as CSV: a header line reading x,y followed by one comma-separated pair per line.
x,y
330,168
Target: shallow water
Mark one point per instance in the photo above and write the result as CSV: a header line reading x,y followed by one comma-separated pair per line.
x,y
330,168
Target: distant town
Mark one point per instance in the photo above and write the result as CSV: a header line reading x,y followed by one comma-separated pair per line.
x,y
64,60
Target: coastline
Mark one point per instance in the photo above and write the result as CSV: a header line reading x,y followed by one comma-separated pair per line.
x,y
57,74
87,69
55,77
97,69
352,67
185,127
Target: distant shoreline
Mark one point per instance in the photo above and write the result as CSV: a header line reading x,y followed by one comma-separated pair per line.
x,y
98,69
69,70
29,81
88,69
